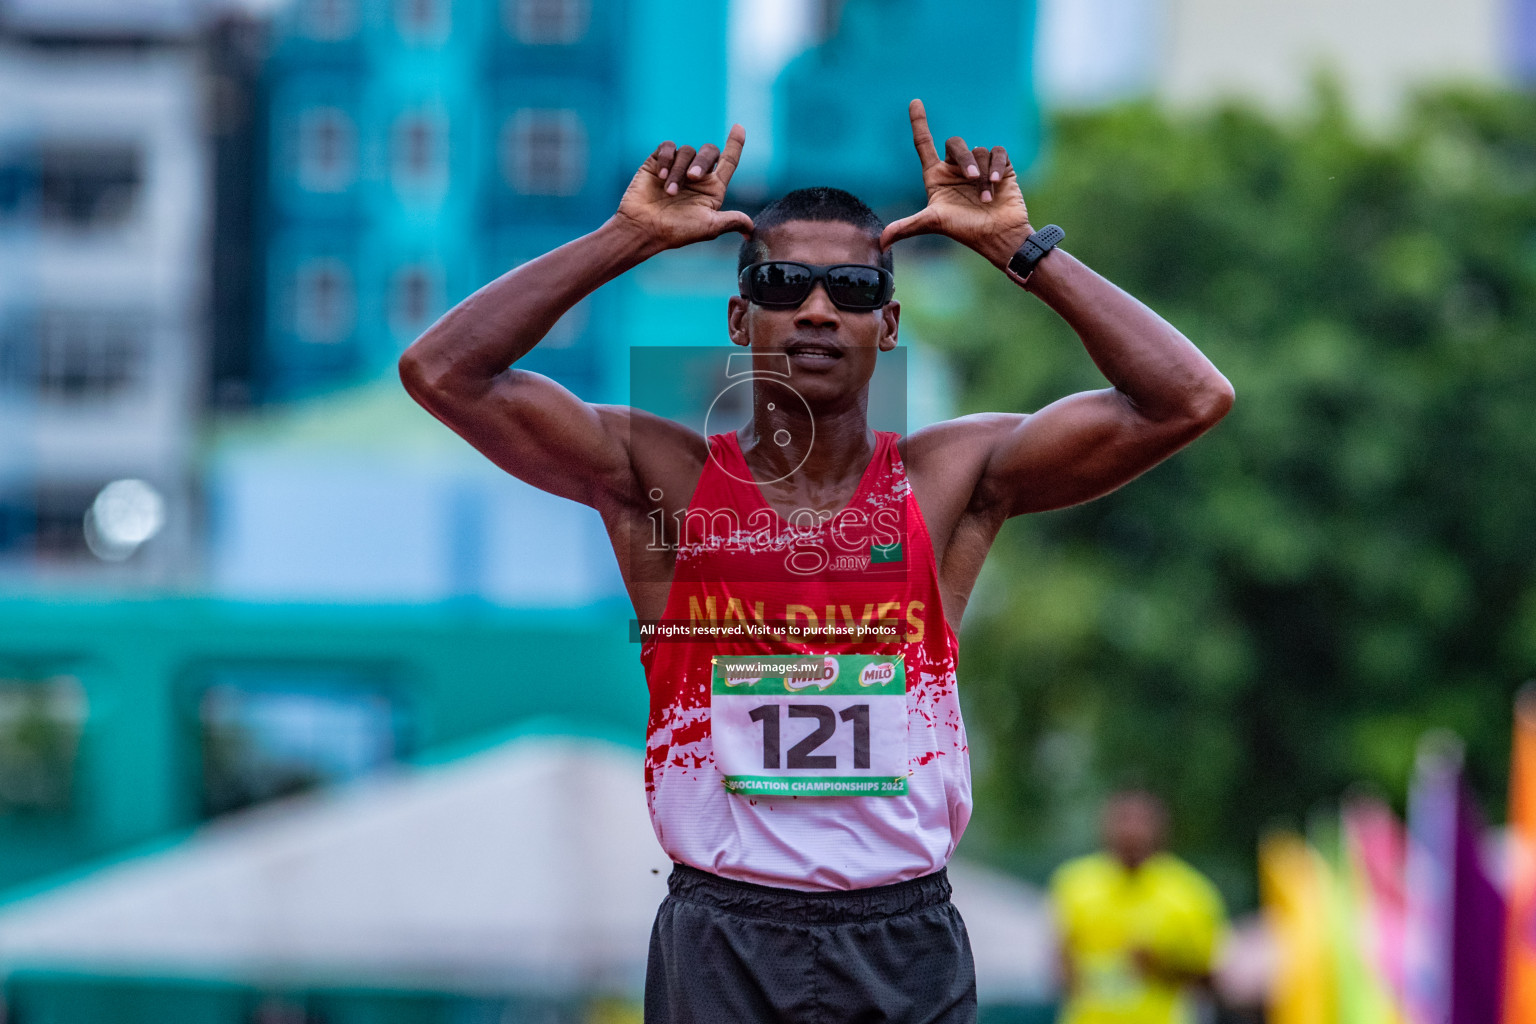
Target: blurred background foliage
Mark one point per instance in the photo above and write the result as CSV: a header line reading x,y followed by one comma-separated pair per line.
x,y
1277,613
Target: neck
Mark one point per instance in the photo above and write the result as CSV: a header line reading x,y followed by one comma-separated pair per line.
x,y
822,442
1132,862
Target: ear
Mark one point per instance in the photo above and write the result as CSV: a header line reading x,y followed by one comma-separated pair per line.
x,y
736,320
890,315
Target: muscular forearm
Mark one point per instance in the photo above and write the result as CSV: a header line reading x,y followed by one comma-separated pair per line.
x,y
1162,374
499,324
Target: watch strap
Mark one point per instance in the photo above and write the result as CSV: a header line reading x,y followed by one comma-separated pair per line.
x,y
1034,249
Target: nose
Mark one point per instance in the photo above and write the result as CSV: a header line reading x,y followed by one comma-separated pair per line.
x,y
817,310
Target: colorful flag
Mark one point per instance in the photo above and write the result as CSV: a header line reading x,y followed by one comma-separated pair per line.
x,y
1453,948
1477,976
1374,849
1429,869
1362,998
1520,923
1294,886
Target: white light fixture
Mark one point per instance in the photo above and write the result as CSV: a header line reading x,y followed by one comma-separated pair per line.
x,y
124,515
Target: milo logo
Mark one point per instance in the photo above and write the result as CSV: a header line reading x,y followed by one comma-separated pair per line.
x,y
877,674
800,679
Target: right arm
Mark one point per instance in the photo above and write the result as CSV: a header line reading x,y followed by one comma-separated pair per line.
x,y
461,370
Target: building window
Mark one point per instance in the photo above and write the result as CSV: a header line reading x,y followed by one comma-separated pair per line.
x,y
547,22
40,725
86,356
19,184
327,150
58,522
90,185
271,732
66,522
16,518
422,21
18,355
328,19
325,301
420,150
415,299
72,356
544,152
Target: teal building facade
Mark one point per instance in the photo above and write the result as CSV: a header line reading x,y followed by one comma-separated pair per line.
x,y
419,148
840,107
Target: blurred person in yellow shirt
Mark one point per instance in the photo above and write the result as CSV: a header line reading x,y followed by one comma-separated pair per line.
x,y
1139,928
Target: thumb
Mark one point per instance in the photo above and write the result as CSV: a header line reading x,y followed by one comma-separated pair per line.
x,y
730,220
923,222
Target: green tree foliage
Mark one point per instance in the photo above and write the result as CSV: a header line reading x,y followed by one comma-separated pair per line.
x,y
1279,611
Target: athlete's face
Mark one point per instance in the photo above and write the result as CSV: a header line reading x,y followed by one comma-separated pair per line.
x,y
831,351
1134,825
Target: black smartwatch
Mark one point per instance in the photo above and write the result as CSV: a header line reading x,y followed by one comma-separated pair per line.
x,y
1033,251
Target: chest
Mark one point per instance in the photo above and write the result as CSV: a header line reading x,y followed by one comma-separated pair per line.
x,y
1124,911
869,546
804,501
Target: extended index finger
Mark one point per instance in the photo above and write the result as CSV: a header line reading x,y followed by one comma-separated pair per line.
x,y
922,138
732,154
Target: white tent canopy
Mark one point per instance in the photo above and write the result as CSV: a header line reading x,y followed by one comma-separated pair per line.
x,y
531,866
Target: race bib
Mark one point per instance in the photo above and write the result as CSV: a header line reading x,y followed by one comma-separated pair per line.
x,y
811,725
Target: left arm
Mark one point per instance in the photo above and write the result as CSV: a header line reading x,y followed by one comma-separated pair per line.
x,y
1165,972
1165,393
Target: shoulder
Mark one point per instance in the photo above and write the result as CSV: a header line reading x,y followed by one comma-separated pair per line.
x,y
1078,873
946,439
647,426
947,461
663,453
1183,879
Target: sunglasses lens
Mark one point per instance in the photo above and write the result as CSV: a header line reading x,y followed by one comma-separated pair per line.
x,y
855,287
780,284
849,285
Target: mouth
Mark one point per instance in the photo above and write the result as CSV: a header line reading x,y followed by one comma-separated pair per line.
x,y
812,353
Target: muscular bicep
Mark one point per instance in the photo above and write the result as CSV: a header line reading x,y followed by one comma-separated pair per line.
x,y
539,432
1076,449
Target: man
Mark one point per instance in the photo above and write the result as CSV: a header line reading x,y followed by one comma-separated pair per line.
x,y
1138,927
810,787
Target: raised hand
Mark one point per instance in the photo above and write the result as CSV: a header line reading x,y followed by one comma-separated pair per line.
x,y
973,196
675,197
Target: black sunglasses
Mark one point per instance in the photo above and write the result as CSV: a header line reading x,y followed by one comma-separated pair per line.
x,y
782,284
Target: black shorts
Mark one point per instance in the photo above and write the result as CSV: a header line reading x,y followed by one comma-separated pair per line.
x,y
726,952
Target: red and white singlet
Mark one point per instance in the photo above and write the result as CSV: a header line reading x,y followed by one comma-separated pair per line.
x,y
740,563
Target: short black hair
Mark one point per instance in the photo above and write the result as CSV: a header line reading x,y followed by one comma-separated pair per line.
x,y
821,204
